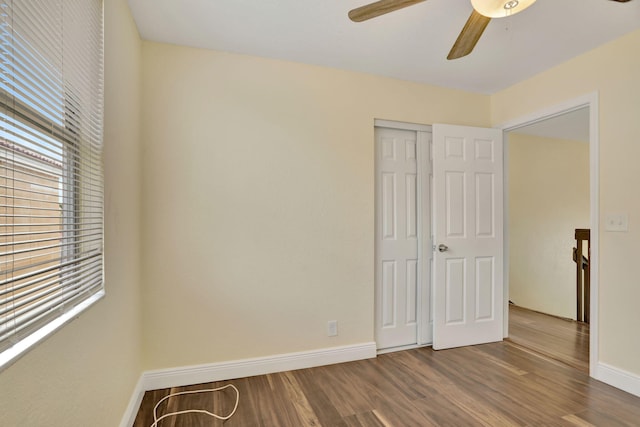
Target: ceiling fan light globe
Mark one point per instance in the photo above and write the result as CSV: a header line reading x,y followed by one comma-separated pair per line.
x,y
500,8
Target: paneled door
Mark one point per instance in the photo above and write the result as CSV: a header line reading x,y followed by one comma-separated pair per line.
x,y
401,279
468,201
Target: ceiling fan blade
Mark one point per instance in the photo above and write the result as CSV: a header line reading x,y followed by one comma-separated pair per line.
x,y
379,8
469,35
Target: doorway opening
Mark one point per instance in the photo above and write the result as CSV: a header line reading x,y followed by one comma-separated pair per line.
x,y
551,160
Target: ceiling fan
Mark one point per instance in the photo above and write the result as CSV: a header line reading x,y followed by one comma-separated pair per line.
x,y
483,12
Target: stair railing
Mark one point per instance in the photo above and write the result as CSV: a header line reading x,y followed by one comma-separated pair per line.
x,y
583,274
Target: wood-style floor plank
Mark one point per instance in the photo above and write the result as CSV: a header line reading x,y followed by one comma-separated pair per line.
x,y
564,340
512,383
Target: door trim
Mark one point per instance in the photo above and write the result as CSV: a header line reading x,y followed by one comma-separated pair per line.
x,y
425,252
589,100
392,124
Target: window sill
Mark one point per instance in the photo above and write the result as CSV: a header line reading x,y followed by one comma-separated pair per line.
x,y
12,354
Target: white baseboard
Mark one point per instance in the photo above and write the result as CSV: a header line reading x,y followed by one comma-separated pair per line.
x,y
176,377
134,404
618,378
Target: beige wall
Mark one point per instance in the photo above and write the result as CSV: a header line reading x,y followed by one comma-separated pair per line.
x,y
258,200
613,72
548,199
85,373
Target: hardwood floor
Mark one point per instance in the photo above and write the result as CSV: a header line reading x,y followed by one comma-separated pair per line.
x,y
559,339
499,384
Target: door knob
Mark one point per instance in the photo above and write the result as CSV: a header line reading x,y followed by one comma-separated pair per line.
x,y
443,248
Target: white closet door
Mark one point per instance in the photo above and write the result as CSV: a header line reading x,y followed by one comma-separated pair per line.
x,y
468,294
396,263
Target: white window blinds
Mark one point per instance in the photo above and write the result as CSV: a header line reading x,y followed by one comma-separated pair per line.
x,y
51,186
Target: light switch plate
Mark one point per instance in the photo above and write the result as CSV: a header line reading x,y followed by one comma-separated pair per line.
x,y
616,222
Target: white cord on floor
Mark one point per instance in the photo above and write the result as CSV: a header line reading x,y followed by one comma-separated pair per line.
x,y
156,420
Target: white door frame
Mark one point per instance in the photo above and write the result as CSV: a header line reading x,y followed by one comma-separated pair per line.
x,y
591,101
424,335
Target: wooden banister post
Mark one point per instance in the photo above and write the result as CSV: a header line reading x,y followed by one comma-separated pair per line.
x,y
583,275
578,260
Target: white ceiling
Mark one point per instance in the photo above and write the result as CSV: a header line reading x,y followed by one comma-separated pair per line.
x,y
409,44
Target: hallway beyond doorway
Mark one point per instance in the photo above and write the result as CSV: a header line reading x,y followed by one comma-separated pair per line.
x,y
563,340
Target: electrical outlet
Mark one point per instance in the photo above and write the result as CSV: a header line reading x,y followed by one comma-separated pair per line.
x,y
616,222
332,328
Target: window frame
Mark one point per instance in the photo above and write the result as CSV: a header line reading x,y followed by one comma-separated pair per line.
x,y
78,171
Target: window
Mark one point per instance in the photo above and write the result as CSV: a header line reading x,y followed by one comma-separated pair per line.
x,y
51,186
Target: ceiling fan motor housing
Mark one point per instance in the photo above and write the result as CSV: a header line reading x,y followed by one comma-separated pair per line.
x,y
500,8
